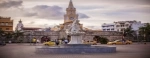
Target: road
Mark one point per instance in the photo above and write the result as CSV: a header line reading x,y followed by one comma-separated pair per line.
x,y
28,51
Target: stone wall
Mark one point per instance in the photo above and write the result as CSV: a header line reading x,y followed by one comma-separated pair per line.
x,y
89,35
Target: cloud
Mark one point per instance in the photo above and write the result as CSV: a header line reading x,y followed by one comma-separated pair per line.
x,y
100,11
49,12
82,16
10,4
32,22
45,11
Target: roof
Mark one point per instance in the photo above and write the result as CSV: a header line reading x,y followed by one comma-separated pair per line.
x,y
70,4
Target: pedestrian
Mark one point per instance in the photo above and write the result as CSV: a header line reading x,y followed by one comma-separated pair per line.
x,y
34,41
57,42
123,41
66,41
60,41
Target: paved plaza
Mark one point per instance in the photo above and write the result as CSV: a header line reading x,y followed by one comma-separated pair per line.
x,y
28,51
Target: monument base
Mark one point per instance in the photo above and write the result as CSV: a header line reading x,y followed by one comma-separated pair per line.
x,y
74,49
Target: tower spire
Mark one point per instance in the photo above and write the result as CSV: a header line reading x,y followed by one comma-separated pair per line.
x,y
70,4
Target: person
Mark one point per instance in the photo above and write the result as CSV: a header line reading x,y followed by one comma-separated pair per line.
x,y
66,41
57,42
9,41
34,40
60,41
123,41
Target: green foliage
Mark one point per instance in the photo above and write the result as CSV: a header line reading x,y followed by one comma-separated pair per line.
x,y
6,35
102,40
128,32
18,36
145,30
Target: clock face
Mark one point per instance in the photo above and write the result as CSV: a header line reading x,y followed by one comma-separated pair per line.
x,y
71,18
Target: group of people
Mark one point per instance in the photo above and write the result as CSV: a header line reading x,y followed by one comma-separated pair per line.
x,y
34,41
58,42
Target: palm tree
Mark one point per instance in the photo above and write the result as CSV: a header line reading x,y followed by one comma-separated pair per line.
x,y
2,34
102,40
8,36
145,32
17,36
128,33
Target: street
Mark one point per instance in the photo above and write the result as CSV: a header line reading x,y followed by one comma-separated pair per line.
x,y
28,51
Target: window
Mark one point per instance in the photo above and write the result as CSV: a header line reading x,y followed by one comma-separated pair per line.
x,y
112,29
117,29
108,29
2,23
7,28
122,29
103,26
127,25
71,18
104,29
117,25
112,25
6,23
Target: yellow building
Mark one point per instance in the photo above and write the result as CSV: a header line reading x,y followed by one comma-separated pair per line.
x,y
6,24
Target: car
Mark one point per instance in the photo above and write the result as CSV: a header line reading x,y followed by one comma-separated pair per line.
x,y
49,43
119,42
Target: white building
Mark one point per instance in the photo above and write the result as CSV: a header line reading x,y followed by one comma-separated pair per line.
x,y
109,27
121,25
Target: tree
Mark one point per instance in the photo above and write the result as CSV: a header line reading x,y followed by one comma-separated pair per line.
x,y
18,34
145,31
8,36
102,40
128,32
2,34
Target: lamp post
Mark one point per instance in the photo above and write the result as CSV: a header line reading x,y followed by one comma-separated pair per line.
x,y
144,35
123,35
137,33
31,37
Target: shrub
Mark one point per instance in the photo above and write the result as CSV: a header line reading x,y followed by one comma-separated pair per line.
x,y
102,40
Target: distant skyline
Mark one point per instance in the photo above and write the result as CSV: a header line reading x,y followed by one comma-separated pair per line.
x,y
92,13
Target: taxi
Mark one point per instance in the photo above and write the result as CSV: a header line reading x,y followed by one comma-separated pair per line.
x,y
119,42
49,43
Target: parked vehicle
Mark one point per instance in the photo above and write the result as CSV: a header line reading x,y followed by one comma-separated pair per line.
x,y
49,43
119,42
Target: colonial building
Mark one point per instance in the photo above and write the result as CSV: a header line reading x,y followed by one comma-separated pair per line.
x,y
6,24
121,25
109,27
60,31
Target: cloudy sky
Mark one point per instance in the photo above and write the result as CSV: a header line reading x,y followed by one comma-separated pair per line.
x,y
92,13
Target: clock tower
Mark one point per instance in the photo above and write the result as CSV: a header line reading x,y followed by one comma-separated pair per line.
x,y
70,13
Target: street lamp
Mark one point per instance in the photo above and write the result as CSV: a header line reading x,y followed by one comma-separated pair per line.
x,y
137,33
31,37
144,35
